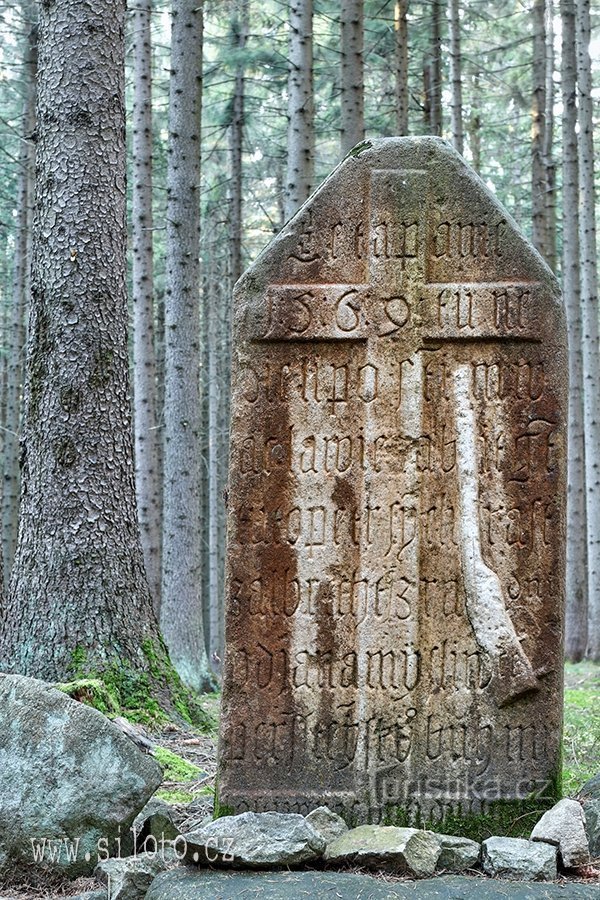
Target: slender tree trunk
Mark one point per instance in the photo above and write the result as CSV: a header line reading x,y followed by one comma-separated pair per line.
x,y
236,137
427,94
78,587
214,511
435,77
181,606
20,300
352,99
301,131
549,165
576,601
144,361
474,124
456,76
401,29
538,128
589,308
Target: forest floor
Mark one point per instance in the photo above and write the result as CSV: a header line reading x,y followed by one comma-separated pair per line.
x,y
190,762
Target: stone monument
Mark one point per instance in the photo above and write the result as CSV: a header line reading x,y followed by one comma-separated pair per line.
x,y
397,504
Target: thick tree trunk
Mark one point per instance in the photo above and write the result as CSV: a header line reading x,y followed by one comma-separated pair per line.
x,y
78,588
181,605
352,97
456,76
589,315
401,30
435,72
301,131
19,300
576,605
144,362
236,137
538,128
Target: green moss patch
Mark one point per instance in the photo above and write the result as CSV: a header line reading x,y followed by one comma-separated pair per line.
x,y
176,768
581,743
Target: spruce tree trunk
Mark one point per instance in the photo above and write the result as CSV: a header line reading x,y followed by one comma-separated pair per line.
x,y
538,128
236,137
456,77
20,298
301,131
474,124
589,315
576,600
144,361
181,604
352,81
435,69
401,30
78,589
548,150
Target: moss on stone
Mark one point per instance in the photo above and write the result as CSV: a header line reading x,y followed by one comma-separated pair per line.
x,y
175,767
93,692
360,148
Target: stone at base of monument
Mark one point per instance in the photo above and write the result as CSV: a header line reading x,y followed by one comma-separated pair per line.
x,y
458,853
592,826
329,825
396,530
403,851
564,826
518,860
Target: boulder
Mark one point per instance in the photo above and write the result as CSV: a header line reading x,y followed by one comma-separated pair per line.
x,y
156,821
564,826
256,841
327,823
407,851
71,782
130,877
518,860
591,809
458,853
591,788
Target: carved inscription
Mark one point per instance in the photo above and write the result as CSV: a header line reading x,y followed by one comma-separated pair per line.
x,y
396,522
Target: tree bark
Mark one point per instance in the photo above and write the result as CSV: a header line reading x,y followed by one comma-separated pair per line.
x,y
181,606
456,76
20,299
301,132
576,593
474,124
548,150
236,137
538,128
352,81
589,315
401,31
435,74
78,586
147,469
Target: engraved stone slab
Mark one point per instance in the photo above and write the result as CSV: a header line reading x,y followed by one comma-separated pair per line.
x,y
397,500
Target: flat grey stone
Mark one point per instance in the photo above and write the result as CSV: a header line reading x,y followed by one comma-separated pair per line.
x,y
70,779
255,840
130,877
564,826
207,884
458,853
518,860
90,895
329,825
591,809
402,850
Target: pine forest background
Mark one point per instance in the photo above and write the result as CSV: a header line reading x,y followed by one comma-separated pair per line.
x,y
278,113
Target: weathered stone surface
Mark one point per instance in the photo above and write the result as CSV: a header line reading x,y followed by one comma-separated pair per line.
x,y
88,895
71,782
517,859
155,823
255,841
591,788
402,850
188,884
591,809
564,826
327,823
458,853
397,498
130,877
